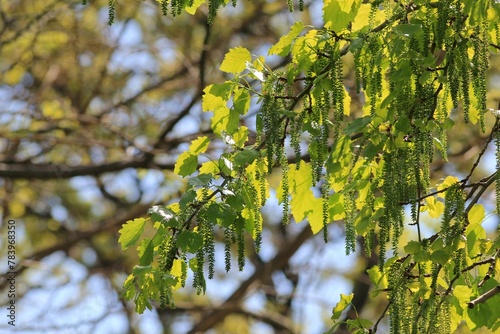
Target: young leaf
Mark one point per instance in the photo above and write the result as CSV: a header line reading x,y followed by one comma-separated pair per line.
x,y
216,96
345,301
338,14
145,251
245,157
282,48
130,232
186,164
189,241
235,60
199,145
162,215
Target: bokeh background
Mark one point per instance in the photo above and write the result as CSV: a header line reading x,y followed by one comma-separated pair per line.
x,y
92,119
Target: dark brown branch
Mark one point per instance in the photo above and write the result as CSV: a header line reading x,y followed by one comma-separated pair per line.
x,y
484,297
49,171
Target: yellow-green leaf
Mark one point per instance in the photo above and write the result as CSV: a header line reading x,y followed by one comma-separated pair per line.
x,y
186,164
282,48
215,96
338,14
199,145
130,232
475,232
344,302
476,215
235,60
434,208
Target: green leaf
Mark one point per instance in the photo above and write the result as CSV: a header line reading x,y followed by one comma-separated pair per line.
x,y
130,232
241,101
407,30
282,48
421,256
145,251
476,215
245,157
200,180
337,14
474,231
186,164
162,215
129,288
413,247
139,271
199,145
189,241
225,119
440,256
345,301
357,125
235,60
224,213
216,96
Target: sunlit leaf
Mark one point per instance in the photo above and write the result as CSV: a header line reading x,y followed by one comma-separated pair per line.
x,y
235,60
131,232
282,48
342,305
338,14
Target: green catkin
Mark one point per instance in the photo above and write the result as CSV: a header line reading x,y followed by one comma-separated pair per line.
x,y
445,316
256,214
301,5
465,81
398,299
262,188
296,131
209,246
337,99
497,155
374,89
350,231
199,277
169,253
443,11
240,238
497,32
369,242
290,5
184,267
258,235
228,237
393,188
111,11
164,7
285,199
480,60
325,194
166,296
384,235
358,71
269,114
213,6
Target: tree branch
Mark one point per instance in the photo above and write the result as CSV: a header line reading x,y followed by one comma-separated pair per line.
x,y
484,297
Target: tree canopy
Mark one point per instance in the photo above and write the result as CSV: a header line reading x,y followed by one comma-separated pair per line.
x,y
201,130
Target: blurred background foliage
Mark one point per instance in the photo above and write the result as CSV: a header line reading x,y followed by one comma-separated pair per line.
x,y
92,119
